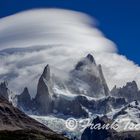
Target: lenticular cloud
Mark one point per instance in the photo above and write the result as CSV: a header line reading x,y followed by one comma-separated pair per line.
x,y
29,40
53,26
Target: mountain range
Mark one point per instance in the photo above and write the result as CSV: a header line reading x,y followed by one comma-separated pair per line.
x,y
82,93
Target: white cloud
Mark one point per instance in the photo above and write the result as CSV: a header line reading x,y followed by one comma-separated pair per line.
x,y
60,38
118,69
52,26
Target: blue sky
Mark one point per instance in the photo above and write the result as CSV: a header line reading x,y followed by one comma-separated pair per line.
x,y
119,20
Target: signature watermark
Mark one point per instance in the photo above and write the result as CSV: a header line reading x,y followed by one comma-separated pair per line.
x,y
117,125
71,124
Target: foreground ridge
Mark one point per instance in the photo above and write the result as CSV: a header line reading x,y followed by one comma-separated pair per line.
x,y
15,124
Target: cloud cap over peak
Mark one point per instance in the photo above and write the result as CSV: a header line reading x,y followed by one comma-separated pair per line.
x,y
53,26
60,38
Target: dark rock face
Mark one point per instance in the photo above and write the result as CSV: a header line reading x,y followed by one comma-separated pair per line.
x,y
130,91
29,135
89,74
102,106
24,101
43,99
95,134
105,86
79,105
70,107
17,125
4,91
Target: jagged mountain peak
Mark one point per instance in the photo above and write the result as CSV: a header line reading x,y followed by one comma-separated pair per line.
x,y
130,91
43,96
132,84
115,87
25,89
91,76
4,84
46,72
24,100
26,93
89,59
4,91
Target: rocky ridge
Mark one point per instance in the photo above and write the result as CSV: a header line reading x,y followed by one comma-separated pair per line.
x,y
15,124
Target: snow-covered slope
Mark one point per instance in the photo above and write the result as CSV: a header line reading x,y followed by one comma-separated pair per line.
x,y
128,117
58,124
